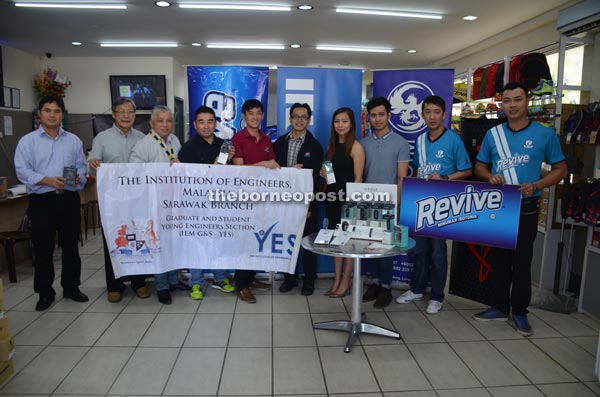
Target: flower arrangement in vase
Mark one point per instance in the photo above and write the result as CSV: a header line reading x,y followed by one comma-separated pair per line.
x,y
50,83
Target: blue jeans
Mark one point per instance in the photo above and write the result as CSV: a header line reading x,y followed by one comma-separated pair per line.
x,y
197,277
162,281
381,271
431,264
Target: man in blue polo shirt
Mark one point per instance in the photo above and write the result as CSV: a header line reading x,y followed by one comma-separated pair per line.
x,y
40,159
387,156
513,153
439,154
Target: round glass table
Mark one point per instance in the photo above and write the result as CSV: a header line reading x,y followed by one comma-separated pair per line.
x,y
357,250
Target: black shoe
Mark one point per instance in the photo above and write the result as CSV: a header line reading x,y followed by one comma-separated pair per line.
x,y
181,286
384,298
372,293
308,287
287,286
76,295
164,296
44,302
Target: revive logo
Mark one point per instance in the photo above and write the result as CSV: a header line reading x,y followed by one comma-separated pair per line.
x,y
432,211
274,242
514,161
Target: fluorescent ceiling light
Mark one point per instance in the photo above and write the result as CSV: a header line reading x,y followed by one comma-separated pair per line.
x,y
305,7
100,6
247,7
197,44
138,44
470,17
76,43
387,13
411,51
248,46
295,45
162,4
356,49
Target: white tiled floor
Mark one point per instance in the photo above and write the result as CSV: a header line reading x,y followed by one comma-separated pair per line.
x,y
225,347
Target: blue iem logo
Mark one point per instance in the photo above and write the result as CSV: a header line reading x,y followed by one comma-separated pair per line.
x,y
406,99
274,242
225,109
451,209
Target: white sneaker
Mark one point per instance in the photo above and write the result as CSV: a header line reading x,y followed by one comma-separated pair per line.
x,y
409,296
434,307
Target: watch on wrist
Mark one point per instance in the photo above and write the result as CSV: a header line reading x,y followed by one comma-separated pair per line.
x,y
535,188
446,177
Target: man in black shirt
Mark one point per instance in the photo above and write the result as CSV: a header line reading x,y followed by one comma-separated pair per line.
x,y
300,149
204,148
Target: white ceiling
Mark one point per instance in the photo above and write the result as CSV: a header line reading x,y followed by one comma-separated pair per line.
x,y
41,31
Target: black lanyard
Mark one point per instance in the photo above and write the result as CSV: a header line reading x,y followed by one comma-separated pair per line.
x,y
171,154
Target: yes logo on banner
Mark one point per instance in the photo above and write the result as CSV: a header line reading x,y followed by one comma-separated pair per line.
x,y
225,89
274,242
406,89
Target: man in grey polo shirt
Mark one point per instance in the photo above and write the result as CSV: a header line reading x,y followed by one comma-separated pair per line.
x,y
387,156
114,145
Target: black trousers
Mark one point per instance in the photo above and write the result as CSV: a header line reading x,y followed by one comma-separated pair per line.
x,y
309,259
512,269
51,213
116,284
243,279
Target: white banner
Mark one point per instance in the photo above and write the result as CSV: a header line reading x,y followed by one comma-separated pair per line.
x,y
158,218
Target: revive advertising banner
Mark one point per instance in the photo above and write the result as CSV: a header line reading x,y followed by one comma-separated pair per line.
x,y
325,90
158,217
225,89
406,89
473,212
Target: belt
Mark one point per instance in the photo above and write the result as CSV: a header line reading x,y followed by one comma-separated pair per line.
x,y
55,192
529,201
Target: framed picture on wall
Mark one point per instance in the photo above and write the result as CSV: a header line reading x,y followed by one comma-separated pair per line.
x,y
2,96
15,95
7,97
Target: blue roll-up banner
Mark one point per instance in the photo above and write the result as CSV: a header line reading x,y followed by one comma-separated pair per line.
x,y
325,90
406,89
225,89
462,211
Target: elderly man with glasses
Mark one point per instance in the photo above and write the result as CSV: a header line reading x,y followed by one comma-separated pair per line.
x,y
114,145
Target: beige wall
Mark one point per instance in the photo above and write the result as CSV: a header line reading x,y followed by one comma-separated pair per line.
x,y
19,68
90,89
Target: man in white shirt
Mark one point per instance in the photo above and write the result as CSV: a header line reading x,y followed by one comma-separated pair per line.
x,y
160,146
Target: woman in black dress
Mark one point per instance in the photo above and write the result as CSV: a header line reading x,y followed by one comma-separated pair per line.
x,y
348,159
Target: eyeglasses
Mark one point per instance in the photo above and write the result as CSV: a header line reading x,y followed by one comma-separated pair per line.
x,y
303,118
124,112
